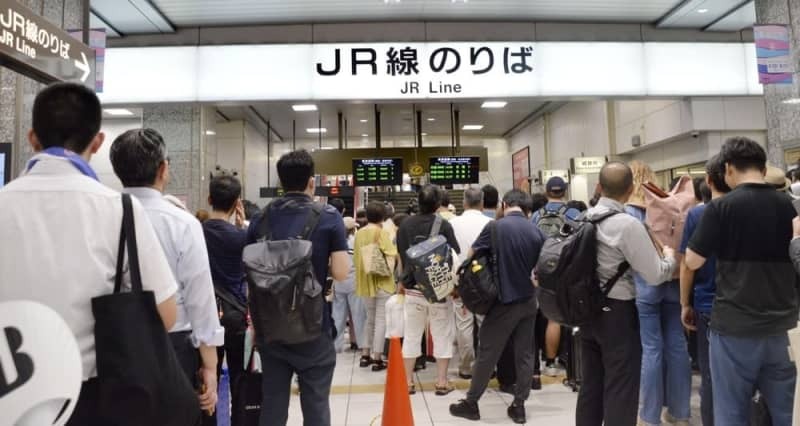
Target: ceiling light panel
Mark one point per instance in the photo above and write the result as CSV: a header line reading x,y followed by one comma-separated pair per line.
x,y
118,112
472,127
316,130
494,104
304,107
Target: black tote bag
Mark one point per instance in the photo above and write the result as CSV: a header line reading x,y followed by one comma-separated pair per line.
x,y
140,381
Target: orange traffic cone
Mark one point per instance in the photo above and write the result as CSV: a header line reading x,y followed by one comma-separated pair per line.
x,y
396,402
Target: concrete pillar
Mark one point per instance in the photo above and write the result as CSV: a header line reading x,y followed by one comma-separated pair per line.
x,y
18,92
783,131
183,128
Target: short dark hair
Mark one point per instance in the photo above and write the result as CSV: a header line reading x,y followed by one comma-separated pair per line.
x,y
698,184
136,156
376,212
490,197
715,169
704,192
743,154
66,115
223,192
518,198
430,199
577,205
538,200
616,178
250,209
389,207
338,204
445,198
295,169
473,198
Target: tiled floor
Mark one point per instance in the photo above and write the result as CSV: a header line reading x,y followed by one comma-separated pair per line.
x,y
357,400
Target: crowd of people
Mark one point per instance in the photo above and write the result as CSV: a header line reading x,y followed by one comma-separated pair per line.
x,y
732,280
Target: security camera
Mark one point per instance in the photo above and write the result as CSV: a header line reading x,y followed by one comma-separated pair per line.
x,y
695,135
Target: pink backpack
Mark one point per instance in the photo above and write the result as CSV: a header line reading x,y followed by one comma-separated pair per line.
x,y
666,212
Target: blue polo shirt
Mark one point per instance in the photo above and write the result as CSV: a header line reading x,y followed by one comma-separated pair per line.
x,y
519,244
705,287
288,216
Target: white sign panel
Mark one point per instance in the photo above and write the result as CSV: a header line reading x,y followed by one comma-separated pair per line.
x,y
416,71
587,165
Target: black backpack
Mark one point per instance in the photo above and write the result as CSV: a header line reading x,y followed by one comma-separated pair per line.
x,y
550,222
570,292
286,299
478,283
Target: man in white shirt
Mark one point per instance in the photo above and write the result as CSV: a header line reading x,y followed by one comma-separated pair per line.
x,y
139,158
61,228
467,228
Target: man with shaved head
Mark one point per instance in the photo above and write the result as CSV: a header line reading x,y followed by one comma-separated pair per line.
x,y
612,349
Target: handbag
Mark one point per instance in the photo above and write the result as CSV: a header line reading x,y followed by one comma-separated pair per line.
x,y
666,212
374,260
140,380
248,409
478,283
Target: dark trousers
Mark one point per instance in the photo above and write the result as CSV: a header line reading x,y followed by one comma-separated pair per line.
x,y
513,322
235,326
611,367
506,367
313,362
85,413
187,354
706,393
539,336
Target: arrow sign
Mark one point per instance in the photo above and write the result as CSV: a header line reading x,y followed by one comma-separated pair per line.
x,y
32,46
84,66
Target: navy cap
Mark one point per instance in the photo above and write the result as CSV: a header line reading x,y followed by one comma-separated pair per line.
x,y
556,185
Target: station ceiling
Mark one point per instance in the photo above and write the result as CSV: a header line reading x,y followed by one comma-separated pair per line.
x,y
397,120
123,17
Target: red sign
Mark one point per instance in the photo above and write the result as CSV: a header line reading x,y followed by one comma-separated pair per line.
x,y
521,169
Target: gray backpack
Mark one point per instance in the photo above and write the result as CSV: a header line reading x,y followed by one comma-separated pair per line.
x,y
285,299
550,222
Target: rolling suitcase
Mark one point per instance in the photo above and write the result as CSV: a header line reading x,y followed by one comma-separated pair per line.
x,y
573,379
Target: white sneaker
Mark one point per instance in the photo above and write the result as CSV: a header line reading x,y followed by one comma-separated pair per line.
x,y
551,370
667,418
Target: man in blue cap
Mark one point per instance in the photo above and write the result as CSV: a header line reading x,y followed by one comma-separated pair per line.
x,y
550,219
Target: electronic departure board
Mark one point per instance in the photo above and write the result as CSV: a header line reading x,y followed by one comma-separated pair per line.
x,y
453,170
378,171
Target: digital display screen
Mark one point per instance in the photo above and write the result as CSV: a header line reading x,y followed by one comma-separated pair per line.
x,y
378,171
454,170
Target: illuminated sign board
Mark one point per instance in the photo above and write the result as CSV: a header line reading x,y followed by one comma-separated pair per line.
x,y
454,170
378,171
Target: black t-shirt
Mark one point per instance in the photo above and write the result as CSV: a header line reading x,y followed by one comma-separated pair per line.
x,y
225,244
415,230
749,231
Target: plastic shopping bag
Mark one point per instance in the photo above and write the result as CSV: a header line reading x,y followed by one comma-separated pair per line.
x,y
395,313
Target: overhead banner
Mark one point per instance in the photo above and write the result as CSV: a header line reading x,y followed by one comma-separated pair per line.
x,y
32,46
418,71
773,52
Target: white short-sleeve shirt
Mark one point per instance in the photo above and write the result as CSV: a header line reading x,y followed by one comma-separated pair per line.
x,y
59,239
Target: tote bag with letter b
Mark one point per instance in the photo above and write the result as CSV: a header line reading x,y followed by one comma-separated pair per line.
x,y
140,381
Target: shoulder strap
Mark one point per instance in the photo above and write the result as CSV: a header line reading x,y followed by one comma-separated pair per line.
x,y
127,238
563,210
313,220
437,226
621,270
601,217
542,211
264,230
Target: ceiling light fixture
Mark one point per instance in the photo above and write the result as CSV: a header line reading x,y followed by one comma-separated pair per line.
x,y
424,134
494,104
792,101
211,133
316,130
304,107
118,112
431,119
364,135
363,120
472,127
702,10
